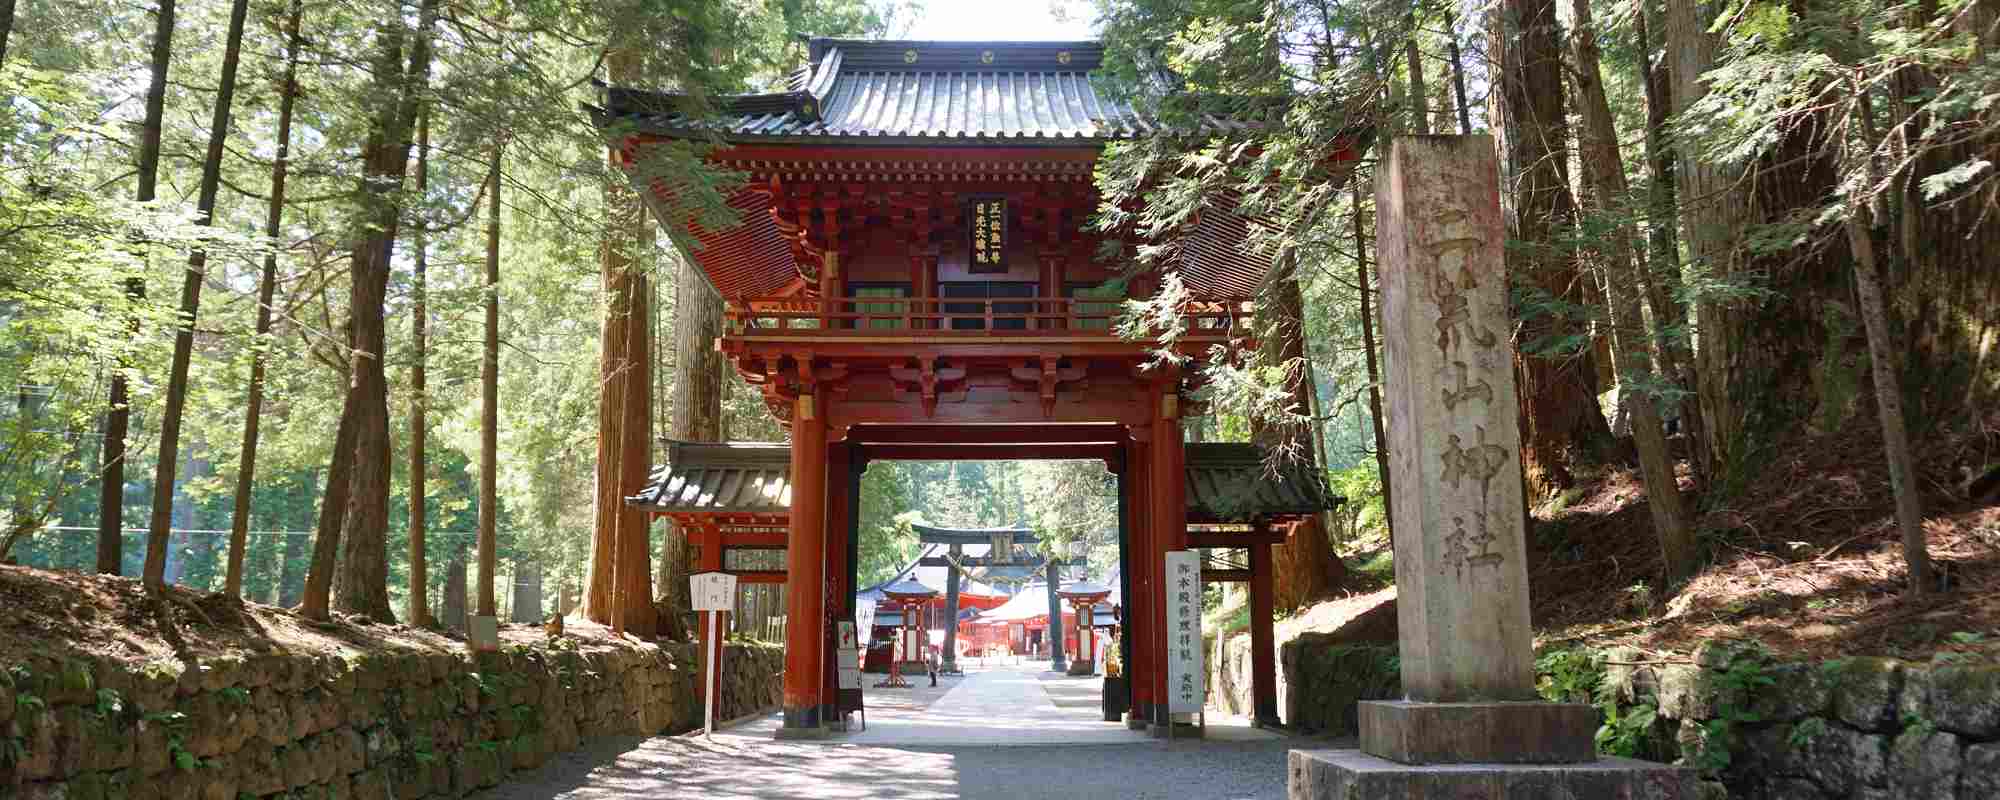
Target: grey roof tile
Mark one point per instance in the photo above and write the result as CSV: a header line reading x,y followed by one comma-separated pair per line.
x,y
1031,92
1225,483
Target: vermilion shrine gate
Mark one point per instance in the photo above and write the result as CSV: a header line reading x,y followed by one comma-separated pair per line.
x,y
911,279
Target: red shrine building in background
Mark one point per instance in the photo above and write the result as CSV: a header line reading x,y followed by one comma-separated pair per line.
x,y
913,276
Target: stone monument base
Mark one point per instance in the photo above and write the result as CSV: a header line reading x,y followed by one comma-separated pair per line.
x,y
1354,775
1082,668
1478,733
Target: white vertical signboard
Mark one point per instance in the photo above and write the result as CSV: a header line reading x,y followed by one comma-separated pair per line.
x,y
1187,690
712,592
849,654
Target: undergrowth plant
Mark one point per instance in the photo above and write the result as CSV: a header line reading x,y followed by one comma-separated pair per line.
x,y
1577,676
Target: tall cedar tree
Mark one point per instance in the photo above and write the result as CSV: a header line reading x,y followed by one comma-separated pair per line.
x,y
1366,288
356,506
697,410
489,393
1661,278
197,272
1711,207
623,216
618,590
246,471
1884,363
118,416
633,573
1462,106
1560,423
419,601
1605,193
1304,568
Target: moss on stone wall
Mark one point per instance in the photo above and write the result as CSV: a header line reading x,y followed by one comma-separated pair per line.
x,y
430,723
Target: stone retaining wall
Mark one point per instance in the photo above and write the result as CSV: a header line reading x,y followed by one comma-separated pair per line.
x,y
1860,728
429,723
1848,729
1319,680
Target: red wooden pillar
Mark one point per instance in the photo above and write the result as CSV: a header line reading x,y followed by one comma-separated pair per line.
x,y
1169,514
1140,604
839,456
805,565
1263,655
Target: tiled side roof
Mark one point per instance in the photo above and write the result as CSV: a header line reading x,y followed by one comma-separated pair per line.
x,y
1231,482
1225,482
904,92
725,478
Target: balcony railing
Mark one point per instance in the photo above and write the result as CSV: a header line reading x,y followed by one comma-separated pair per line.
x,y
967,317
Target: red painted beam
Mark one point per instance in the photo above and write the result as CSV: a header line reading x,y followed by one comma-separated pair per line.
x,y
1236,539
759,576
972,434
986,452
1225,575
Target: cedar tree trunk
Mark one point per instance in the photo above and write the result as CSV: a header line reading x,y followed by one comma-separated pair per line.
x,y
489,396
253,406
419,608
1561,425
197,272
1605,193
117,420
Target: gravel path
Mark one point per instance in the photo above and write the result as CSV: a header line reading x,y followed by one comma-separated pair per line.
x,y
1051,749
733,769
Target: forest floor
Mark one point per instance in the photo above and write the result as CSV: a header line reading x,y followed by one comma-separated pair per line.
x,y
49,614
1805,559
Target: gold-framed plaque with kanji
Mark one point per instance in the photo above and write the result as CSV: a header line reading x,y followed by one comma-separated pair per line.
x,y
986,231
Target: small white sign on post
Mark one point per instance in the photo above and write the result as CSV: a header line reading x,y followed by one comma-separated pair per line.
x,y
849,656
1187,688
712,592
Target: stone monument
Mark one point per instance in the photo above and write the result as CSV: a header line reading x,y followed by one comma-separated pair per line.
x,y
1471,725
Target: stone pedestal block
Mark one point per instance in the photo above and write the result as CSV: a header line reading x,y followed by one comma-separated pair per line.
x,y
483,633
1354,775
1461,733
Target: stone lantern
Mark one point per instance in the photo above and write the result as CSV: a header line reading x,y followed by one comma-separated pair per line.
x,y
1083,597
911,598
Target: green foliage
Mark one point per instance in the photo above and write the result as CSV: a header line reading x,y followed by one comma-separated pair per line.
x,y
1805,732
1577,675
109,703
1569,676
175,724
1747,677
421,749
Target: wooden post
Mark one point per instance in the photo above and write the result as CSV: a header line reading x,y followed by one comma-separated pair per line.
x,y
838,510
951,612
713,635
805,596
1141,602
1263,655
1168,501
1058,645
